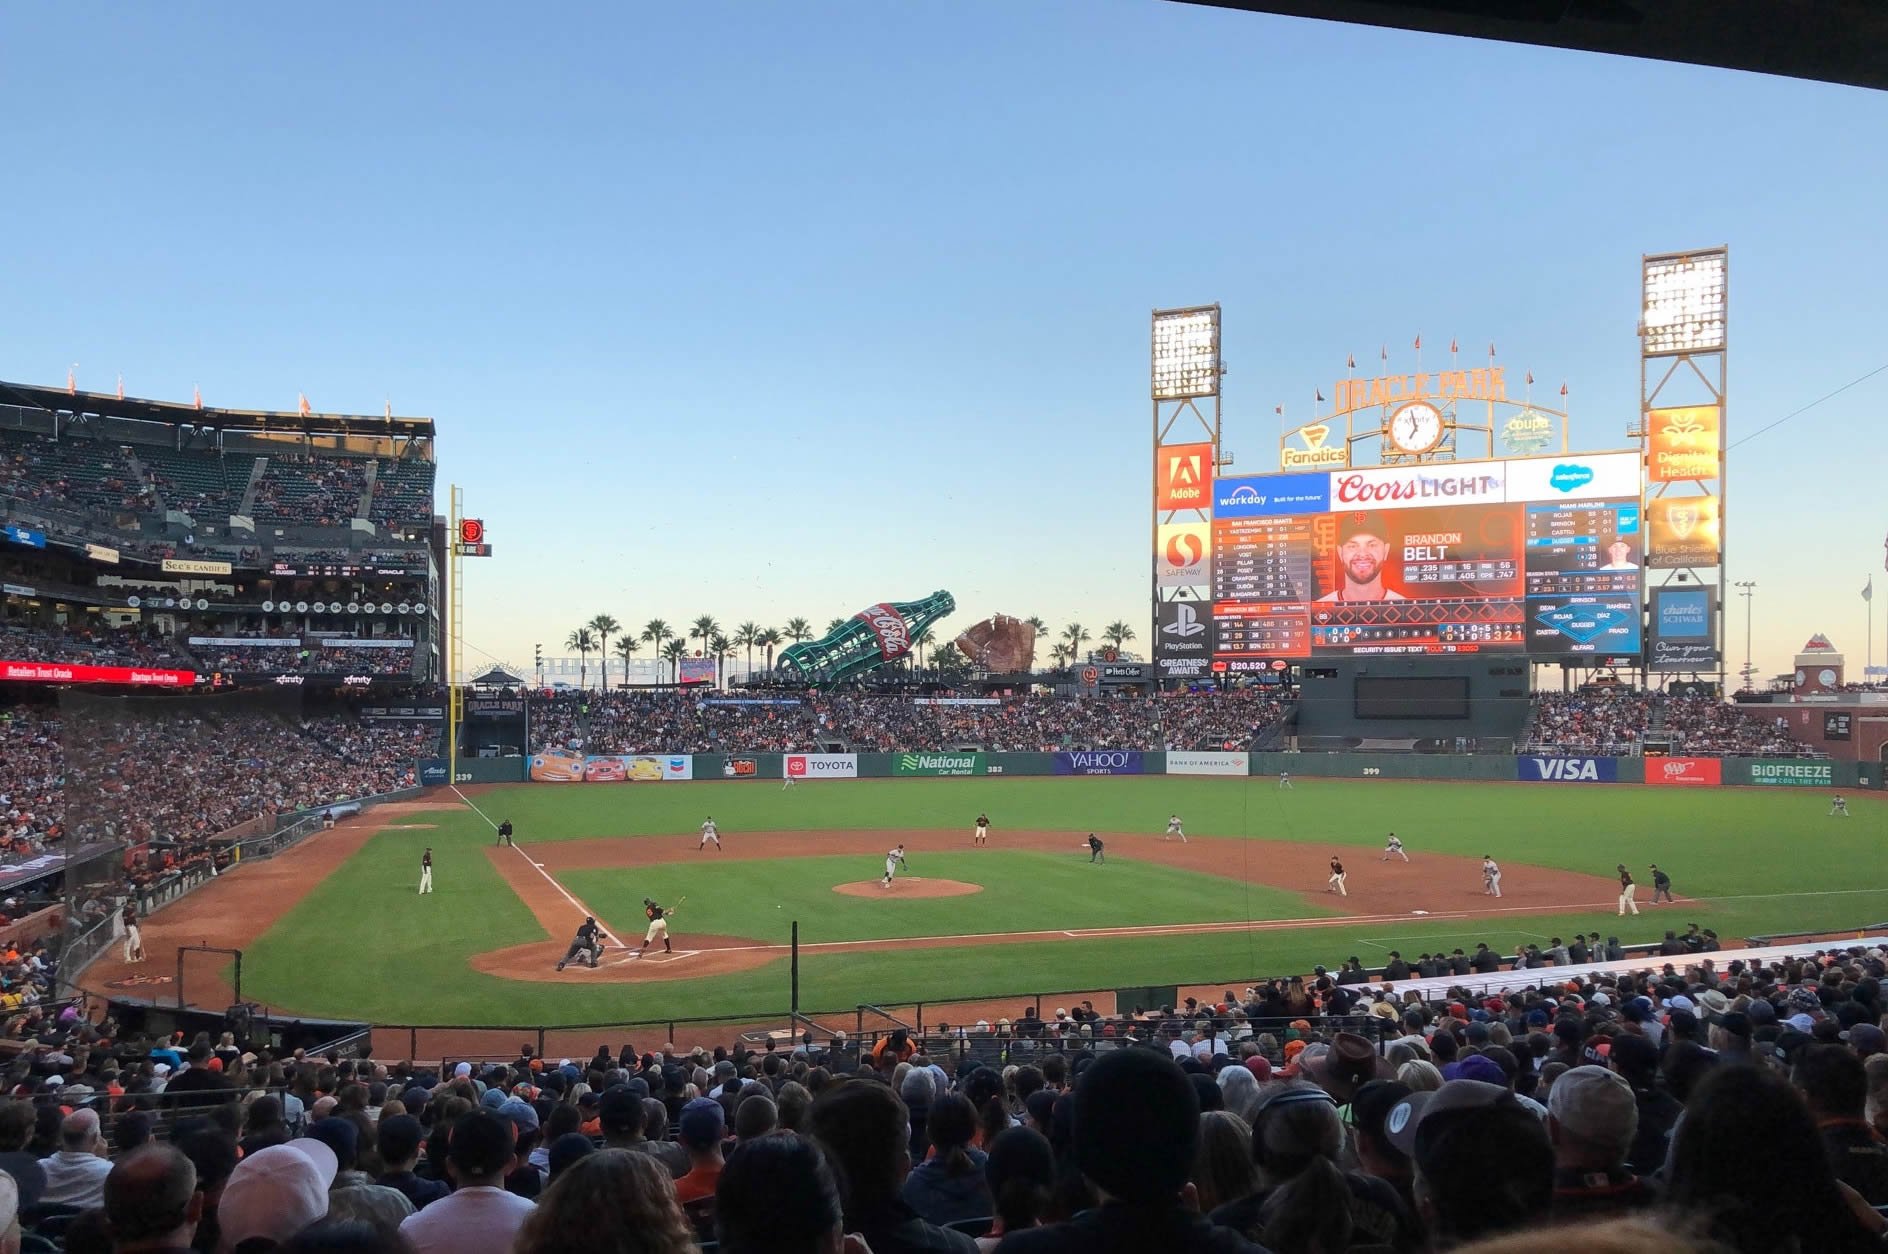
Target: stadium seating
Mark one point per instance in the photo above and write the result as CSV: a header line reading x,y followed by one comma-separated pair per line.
x,y
1619,722
78,474
403,493
206,485
309,491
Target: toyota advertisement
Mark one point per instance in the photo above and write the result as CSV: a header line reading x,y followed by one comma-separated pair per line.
x,y
1542,556
821,765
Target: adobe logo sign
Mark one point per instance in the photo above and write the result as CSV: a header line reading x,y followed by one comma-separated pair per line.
x,y
1183,477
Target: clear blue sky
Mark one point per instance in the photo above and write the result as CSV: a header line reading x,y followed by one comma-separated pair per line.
x,y
771,309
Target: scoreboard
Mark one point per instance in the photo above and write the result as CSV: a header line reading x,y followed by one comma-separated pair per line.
x,y
1540,556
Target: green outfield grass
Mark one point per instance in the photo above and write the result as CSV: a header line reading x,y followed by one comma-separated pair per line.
x,y
362,944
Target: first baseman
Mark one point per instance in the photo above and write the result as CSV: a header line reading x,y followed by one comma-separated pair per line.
x,y
894,859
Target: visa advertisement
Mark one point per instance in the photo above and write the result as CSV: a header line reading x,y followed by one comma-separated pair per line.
x,y
1567,770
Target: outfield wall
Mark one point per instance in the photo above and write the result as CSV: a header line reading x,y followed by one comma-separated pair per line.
x,y
1669,772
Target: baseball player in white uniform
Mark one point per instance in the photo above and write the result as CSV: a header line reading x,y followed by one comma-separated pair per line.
x,y
1174,829
1393,848
1839,805
1284,779
708,833
426,870
894,861
1491,876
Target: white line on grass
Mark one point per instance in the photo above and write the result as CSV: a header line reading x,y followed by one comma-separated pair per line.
x,y
582,909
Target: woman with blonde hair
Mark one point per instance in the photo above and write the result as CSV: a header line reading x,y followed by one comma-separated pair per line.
x,y
1421,1076
610,1202
1222,1162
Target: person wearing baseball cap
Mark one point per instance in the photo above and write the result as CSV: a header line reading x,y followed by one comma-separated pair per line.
x,y
1483,1162
1363,546
276,1192
1591,1119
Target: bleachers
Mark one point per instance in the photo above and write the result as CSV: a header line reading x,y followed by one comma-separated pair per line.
x,y
204,484
403,493
83,474
320,492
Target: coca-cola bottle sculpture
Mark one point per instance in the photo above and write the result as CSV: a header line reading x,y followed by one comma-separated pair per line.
x,y
874,636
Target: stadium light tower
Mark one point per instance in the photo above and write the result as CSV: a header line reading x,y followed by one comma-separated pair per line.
x,y
1184,370
1747,588
1683,422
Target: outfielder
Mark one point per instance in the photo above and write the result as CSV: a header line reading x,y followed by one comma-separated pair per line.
x,y
426,870
658,927
504,832
786,779
585,946
1491,876
1336,883
1626,891
894,860
1284,779
982,835
708,833
1393,848
1174,829
1839,805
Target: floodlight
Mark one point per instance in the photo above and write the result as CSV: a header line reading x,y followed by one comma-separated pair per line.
x,y
1684,303
1186,353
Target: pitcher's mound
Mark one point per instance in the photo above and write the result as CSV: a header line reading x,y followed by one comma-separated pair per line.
x,y
908,887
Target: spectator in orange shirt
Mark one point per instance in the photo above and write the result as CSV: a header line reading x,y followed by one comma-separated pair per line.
x,y
700,1129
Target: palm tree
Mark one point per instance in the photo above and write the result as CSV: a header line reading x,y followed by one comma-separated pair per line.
x,y
626,649
675,650
748,635
920,641
1075,634
1041,628
1059,652
799,629
1117,634
582,641
654,632
605,627
704,627
770,640
836,624
719,647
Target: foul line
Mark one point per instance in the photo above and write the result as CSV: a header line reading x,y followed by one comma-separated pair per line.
x,y
582,909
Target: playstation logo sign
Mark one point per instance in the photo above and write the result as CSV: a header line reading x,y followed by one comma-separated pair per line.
x,y
1183,631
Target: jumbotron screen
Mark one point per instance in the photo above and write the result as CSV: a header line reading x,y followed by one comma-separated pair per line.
x,y
1540,556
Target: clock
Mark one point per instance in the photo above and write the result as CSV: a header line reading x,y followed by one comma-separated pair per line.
x,y
1416,428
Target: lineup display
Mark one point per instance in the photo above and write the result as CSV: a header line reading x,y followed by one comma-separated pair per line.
x,y
1540,556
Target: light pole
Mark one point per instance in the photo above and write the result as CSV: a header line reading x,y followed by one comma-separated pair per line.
x,y
1747,590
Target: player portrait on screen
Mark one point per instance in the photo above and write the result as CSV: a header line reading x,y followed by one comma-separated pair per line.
x,y
1619,555
1363,549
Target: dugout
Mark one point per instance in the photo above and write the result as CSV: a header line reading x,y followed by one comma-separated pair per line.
x,y
1413,705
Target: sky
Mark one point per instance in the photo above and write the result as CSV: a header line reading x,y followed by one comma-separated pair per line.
x,y
763,310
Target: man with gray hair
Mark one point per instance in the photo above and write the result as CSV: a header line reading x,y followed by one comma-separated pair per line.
x,y
1592,1116
9,1214
151,1202
75,1175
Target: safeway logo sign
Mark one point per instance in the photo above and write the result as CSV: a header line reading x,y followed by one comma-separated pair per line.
x,y
1568,770
1183,476
1689,772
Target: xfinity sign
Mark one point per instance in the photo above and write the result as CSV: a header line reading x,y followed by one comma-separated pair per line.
x,y
1568,770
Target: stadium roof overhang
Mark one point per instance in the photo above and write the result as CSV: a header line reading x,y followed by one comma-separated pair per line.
x,y
1832,41
108,405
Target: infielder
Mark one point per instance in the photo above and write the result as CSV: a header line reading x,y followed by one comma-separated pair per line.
x,y
1284,779
1839,805
708,833
1174,829
504,832
426,870
1393,848
1491,876
894,859
658,927
1336,883
982,835
1094,849
584,946
1626,891
1661,885
134,939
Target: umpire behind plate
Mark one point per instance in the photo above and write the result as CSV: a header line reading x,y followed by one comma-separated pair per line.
x,y
585,945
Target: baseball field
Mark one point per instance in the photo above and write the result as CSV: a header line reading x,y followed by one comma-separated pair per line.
x,y
337,928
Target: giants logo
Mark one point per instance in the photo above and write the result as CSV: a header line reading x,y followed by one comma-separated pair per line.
x,y
894,638
1183,475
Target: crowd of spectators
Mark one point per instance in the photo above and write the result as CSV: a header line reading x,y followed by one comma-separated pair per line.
x,y
89,645
154,772
1673,1108
680,722
1618,721
316,658
83,475
310,491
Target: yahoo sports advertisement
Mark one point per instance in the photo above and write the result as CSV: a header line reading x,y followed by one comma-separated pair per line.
x,y
1100,762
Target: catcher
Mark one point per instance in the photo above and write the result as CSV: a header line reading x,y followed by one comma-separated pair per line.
x,y
658,925
586,945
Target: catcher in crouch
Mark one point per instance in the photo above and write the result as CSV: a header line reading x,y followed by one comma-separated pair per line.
x,y
585,946
658,925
